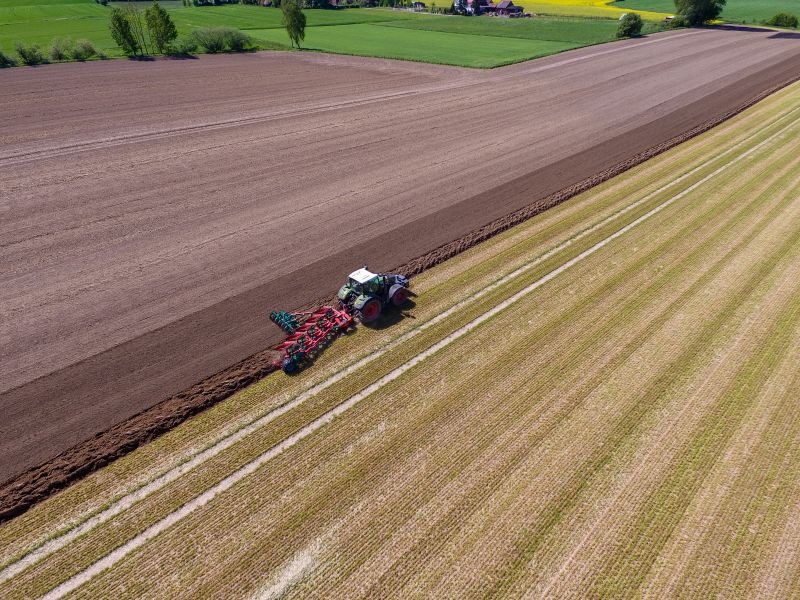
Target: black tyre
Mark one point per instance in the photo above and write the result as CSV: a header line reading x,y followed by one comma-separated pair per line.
x,y
400,297
370,311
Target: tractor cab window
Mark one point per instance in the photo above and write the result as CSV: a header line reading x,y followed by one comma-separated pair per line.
x,y
360,287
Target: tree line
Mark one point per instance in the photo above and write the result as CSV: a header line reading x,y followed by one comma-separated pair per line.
x,y
152,31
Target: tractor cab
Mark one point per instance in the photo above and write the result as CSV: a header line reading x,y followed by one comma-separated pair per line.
x,y
366,293
364,281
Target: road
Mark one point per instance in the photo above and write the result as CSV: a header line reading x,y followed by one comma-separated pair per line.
x,y
152,213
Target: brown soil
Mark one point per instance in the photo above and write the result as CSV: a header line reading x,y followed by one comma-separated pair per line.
x,y
206,340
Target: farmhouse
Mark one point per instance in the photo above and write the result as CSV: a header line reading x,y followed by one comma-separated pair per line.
x,y
504,8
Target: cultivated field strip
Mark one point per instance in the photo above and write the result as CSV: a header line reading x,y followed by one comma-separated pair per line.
x,y
550,226
136,496
628,352
130,499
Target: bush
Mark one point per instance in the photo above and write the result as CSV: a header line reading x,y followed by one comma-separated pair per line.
x,y
217,39
212,39
236,41
185,46
783,20
61,49
66,49
84,50
6,60
677,22
30,55
630,25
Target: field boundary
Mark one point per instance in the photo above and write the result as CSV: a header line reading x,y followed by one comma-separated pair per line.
x,y
229,481
20,493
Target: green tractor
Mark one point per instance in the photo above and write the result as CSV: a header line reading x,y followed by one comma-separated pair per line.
x,y
366,294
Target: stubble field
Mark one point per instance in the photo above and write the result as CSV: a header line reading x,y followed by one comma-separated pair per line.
x,y
601,402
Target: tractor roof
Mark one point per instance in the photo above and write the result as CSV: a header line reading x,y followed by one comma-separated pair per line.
x,y
362,275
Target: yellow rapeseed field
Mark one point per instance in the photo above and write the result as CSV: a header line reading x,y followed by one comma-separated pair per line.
x,y
584,8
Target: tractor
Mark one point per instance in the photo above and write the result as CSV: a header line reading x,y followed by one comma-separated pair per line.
x,y
366,294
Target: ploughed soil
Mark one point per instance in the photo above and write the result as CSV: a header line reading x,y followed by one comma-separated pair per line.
x,y
154,213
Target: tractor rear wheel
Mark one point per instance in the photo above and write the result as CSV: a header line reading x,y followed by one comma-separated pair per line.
x,y
371,310
400,297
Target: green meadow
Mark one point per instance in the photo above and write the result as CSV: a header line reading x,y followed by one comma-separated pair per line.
x,y
482,42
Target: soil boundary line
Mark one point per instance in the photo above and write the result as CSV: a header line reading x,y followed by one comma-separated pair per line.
x,y
25,490
198,502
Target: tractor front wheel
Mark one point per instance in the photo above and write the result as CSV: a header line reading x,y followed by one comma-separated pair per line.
x,y
370,311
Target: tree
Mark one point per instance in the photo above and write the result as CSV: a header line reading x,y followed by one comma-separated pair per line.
x,y
294,20
697,12
630,25
160,26
138,26
122,32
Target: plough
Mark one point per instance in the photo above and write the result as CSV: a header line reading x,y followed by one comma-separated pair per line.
x,y
364,296
309,333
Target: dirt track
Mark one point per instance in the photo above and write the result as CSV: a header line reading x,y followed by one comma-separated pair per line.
x,y
149,225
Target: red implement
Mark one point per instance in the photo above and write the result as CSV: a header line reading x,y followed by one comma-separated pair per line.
x,y
314,332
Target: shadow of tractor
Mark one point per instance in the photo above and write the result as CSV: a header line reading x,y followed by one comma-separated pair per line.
x,y
392,315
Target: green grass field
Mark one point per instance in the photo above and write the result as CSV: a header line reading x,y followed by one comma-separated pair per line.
x,y
483,42
738,11
552,29
423,42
